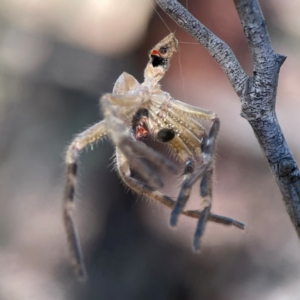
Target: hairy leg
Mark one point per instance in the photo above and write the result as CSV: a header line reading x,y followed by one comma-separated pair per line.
x,y
136,185
142,188
185,192
204,172
226,221
81,141
206,194
190,177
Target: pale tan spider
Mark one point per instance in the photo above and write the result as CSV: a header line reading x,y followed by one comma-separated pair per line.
x,y
134,112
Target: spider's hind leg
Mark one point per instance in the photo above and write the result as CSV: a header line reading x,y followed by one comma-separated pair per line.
x,y
82,140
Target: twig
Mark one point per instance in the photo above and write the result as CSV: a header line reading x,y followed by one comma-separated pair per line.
x,y
257,92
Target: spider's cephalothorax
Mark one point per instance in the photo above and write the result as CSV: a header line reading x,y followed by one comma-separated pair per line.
x,y
134,112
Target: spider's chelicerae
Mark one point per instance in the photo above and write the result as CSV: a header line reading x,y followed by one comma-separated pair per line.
x,y
135,112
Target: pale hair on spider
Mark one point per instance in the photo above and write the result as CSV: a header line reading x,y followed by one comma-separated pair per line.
x,y
135,112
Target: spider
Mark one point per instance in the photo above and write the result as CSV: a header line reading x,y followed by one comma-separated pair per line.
x,y
136,112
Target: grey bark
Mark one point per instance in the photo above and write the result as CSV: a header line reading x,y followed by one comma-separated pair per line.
x,y
257,92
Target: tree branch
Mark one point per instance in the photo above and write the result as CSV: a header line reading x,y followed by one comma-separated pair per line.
x,y
256,33
257,93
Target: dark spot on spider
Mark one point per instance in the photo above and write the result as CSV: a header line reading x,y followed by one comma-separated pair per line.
x,y
158,61
189,168
254,73
72,168
165,135
143,112
163,50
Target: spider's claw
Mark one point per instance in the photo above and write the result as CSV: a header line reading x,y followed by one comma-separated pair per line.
x,y
239,224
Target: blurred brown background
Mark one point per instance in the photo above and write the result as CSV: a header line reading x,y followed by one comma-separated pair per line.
x,y
56,59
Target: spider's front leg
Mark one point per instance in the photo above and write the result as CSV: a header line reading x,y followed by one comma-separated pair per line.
x,y
204,172
91,135
117,125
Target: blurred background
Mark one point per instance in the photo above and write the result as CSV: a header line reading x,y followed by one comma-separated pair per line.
x,y
56,59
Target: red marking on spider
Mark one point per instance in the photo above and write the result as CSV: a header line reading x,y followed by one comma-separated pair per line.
x,y
155,52
141,129
141,132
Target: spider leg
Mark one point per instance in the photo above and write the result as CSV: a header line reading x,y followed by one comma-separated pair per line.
x,y
138,186
226,221
142,188
205,171
185,192
200,227
215,218
206,215
82,140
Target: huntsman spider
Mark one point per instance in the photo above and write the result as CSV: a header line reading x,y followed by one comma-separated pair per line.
x,y
136,112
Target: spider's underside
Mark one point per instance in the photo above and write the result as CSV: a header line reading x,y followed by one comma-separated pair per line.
x,y
134,112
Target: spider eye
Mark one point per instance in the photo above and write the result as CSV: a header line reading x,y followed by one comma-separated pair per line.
x,y
163,50
165,135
